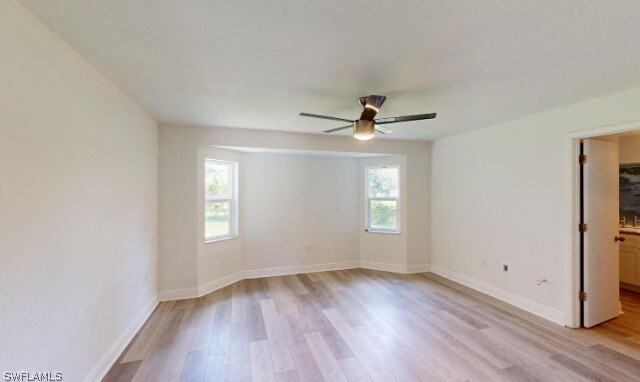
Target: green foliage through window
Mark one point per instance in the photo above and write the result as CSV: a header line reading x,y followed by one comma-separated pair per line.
x,y
383,182
383,214
216,179
218,188
383,186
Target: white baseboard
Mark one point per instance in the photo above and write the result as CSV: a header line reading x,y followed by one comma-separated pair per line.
x,y
395,268
177,294
418,268
385,267
543,311
253,274
110,357
218,284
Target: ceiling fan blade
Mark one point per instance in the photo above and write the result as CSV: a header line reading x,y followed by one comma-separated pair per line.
x,y
383,130
405,118
325,117
337,129
372,106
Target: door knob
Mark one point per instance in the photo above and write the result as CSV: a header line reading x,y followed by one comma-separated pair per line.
x,y
620,239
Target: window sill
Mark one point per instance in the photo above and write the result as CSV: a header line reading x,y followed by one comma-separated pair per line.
x,y
372,230
208,241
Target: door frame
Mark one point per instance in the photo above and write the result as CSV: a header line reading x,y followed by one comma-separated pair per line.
x,y
574,271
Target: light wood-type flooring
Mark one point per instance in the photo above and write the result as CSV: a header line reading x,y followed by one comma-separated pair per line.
x,y
362,325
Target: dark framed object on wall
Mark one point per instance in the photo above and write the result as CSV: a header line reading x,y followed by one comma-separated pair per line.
x,y
629,192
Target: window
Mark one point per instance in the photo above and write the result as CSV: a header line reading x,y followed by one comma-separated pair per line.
x,y
219,200
383,191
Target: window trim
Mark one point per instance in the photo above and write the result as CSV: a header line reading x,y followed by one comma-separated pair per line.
x,y
232,200
369,198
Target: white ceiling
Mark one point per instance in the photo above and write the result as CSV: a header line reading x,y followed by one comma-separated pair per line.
x,y
257,64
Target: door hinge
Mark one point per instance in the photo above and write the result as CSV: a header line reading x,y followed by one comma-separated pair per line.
x,y
582,227
582,159
582,296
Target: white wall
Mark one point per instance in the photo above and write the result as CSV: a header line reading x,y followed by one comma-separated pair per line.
x,y
184,265
629,149
78,228
503,194
299,210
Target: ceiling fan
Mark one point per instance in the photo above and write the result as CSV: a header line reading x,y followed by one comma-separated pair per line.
x,y
365,127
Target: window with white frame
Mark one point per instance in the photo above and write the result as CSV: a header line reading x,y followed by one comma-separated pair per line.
x,y
383,198
220,201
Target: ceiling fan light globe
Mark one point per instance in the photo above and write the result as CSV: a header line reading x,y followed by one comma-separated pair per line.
x,y
363,137
364,130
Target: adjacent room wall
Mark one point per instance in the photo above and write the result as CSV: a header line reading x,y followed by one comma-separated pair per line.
x,y
630,149
182,258
78,227
502,194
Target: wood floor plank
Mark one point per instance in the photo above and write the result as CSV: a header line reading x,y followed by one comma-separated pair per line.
x,y
462,357
176,356
239,303
257,330
282,295
518,373
557,345
400,370
261,364
149,332
239,355
449,365
617,360
195,366
152,362
374,366
288,376
589,374
218,360
312,319
205,312
327,364
499,354
425,370
122,372
280,353
296,284
189,320
305,362
353,370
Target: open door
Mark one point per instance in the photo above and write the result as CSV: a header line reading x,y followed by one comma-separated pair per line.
x,y
600,194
